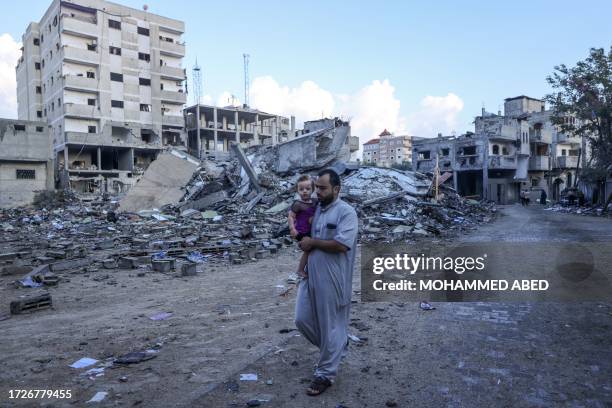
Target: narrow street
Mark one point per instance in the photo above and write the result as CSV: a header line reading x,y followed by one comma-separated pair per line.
x,y
537,354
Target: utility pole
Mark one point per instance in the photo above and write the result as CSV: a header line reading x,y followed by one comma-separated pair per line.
x,y
197,84
245,59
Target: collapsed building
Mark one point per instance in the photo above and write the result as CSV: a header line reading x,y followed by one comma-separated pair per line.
x,y
217,128
507,153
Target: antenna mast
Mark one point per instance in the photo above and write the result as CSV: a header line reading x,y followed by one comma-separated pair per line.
x,y
197,83
245,58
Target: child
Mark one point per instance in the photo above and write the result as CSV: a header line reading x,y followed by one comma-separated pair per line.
x,y
301,214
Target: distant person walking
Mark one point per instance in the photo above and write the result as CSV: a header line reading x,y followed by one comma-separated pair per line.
x,y
543,197
324,296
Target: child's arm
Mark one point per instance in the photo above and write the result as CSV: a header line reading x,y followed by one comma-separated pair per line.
x,y
292,231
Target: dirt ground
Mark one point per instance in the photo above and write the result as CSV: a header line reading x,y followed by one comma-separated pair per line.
x,y
230,320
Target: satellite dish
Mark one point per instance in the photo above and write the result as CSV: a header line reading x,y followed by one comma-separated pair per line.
x,y
145,7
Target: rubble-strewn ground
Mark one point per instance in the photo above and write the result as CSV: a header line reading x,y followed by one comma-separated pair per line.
x,y
229,319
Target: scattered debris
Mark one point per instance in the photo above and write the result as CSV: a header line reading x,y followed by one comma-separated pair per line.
x,y
161,316
248,377
31,304
135,357
84,362
98,397
426,306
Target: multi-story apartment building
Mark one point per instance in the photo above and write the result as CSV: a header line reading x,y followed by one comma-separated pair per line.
x,y
388,150
521,149
371,151
109,82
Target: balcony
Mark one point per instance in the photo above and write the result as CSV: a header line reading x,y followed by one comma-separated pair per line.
x,y
567,162
83,138
538,163
80,83
71,25
174,97
80,56
504,132
564,138
173,120
172,49
540,136
77,110
168,72
502,162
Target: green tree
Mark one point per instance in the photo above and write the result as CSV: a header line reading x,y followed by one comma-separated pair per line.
x,y
585,92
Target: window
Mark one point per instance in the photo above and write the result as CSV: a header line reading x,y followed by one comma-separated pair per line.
x,y
54,21
117,104
38,90
91,129
91,102
57,46
39,128
144,81
495,149
42,38
143,31
114,24
114,50
43,63
504,150
161,86
91,47
52,106
563,152
145,108
39,114
23,174
445,152
144,57
116,77
59,101
91,74
36,41
37,65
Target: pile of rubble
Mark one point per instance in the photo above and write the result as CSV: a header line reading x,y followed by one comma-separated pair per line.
x,y
597,211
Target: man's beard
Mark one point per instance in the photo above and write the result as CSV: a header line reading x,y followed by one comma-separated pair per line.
x,y
327,200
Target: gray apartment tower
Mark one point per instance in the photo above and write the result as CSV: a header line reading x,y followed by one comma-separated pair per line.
x,y
108,81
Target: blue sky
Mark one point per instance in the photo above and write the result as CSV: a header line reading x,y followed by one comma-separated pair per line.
x,y
459,54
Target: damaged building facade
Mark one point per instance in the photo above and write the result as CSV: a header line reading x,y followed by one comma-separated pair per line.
x,y
217,128
520,150
26,164
108,80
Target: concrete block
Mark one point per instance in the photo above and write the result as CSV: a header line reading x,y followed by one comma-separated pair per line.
x,y
162,265
15,270
189,269
127,262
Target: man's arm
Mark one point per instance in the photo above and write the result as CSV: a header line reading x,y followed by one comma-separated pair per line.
x,y
327,245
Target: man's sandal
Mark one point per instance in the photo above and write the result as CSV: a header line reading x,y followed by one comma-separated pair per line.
x,y
318,386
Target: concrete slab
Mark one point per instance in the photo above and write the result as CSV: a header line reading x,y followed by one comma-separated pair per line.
x,y
162,183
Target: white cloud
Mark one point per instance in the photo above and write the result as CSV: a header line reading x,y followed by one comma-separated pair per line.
x,y
306,102
9,54
373,109
438,114
370,109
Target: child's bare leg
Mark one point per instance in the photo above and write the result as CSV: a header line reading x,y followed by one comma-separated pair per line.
x,y
302,266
